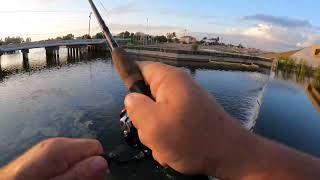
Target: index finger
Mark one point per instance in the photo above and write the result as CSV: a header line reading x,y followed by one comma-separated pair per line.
x,y
154,74
55,156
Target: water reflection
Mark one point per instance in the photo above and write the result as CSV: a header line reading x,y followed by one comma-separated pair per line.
x,y
289,113
20,63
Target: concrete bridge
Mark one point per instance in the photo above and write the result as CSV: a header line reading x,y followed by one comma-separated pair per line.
x,y
76,48
55,43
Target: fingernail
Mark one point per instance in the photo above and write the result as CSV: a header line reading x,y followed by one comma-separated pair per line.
x,y
129,100
98,164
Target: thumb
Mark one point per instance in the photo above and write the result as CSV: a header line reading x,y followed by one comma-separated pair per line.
x,y
91,168
140,109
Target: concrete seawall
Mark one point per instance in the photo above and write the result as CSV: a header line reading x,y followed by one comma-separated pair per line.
x,y
199,59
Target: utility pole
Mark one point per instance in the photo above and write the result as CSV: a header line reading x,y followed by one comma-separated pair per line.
x,y
90,23
145,41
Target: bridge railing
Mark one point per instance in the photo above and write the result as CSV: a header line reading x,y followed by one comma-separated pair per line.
x,y
39,44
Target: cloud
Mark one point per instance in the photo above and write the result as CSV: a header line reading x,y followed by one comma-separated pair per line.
x,y
127,8
282,38
310,38
280,21
154,30
248,41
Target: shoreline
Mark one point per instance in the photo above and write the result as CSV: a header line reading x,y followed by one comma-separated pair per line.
x,y
201,59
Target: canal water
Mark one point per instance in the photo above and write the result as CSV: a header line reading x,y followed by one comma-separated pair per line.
x,y
83,98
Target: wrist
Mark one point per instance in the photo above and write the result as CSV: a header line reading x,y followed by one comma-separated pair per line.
x,y
234,157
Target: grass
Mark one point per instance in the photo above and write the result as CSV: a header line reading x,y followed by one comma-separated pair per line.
x,y
287,65
317,79
300,68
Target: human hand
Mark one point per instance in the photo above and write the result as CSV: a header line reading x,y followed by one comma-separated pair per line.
x,y
59,159
185,127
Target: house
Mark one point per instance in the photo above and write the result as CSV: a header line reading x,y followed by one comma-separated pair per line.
x,y
187,40
310,55
316,50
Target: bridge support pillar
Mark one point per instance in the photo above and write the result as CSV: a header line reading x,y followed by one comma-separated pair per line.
x,y
25,62
52,56
1,74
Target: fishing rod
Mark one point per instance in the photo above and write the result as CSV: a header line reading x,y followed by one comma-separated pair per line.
x,y
130,74
132,77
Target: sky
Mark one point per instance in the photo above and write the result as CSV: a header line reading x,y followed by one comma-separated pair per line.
x,y
271,25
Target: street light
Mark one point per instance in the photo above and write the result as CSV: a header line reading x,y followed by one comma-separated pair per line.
x,y
90,22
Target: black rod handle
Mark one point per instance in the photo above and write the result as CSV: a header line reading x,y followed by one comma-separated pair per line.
x,y
129,72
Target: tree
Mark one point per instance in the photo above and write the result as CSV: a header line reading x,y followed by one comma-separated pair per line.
x,y
171,36
203,40
240,46
195,46
68,37
125,34
1,42
161,39
28,39
13,40
99,35
86,36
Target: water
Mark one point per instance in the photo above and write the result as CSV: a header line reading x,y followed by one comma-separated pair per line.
x,y
83,99
288,116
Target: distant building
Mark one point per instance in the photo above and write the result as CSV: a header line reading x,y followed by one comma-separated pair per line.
x,y
143,39
316,50
187,40
309,55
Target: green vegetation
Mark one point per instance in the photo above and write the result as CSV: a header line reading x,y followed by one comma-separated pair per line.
x,y
171,36
317,79
286,65
125,34
301,69
86,36
98,36
195,46
161,39
293,66
13,40
66,37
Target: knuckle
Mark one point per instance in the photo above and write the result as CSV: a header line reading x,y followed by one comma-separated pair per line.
x,y
95,145
51,153
49,143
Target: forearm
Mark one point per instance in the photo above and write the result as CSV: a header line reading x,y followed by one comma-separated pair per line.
x,y
252,157
281,162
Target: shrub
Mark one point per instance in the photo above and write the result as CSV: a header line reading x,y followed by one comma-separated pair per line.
x,y
317,79
195,46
